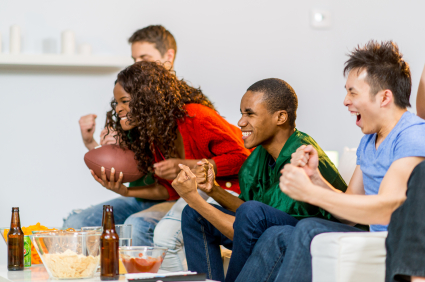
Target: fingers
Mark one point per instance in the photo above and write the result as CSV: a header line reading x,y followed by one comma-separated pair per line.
x,y
87,121
119,181
108,140
203,161
187,170
112,176
103,175
96,178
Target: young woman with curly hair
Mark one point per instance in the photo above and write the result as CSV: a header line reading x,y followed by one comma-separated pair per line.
x,y
166,122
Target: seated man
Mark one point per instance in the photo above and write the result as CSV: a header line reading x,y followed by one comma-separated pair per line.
x,y
268,123
378,91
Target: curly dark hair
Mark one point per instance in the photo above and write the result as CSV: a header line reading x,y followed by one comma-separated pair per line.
x,y
157,102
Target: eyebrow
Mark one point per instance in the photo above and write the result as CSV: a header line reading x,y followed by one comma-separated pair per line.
x,y
349,89
249,110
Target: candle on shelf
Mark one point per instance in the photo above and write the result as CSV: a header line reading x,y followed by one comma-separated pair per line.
x,y
68,42
15,39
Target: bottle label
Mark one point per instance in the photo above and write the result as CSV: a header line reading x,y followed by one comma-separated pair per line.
x,y
27,251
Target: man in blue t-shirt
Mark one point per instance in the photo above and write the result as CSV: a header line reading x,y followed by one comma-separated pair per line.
x,y
378,90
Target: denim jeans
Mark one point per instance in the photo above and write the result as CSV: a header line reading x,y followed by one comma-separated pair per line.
x,y
203,240
142,214
168,234
283,252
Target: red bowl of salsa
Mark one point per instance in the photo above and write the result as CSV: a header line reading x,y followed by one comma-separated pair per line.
x,y
138,259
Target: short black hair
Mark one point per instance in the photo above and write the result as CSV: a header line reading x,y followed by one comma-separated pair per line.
x,y
278,95
157,34
385,67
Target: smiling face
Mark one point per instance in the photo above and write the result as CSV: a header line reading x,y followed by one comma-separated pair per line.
x,y
256,121
361,103
146,51
122,107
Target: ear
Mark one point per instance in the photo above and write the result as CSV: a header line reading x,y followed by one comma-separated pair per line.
x,y
170,55
281,117
385,97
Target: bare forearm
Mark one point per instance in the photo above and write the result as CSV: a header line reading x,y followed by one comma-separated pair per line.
x,y
150,192
371,209
319,180
91,145
420,98
222,221
225,199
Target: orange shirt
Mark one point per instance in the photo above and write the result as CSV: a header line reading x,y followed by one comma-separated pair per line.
x,y
207,135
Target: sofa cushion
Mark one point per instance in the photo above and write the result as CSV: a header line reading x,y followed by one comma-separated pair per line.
x,y
349,256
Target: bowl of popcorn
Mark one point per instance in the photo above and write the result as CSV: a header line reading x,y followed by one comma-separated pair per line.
x,y
69,254
29,230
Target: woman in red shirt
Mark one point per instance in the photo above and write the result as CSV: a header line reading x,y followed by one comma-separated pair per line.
x,y
165,122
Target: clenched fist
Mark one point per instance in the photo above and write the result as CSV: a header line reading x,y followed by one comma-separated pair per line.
x,y
87,127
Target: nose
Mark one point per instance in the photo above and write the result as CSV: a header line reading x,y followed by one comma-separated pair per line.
x,y
242,122
118,108
347,100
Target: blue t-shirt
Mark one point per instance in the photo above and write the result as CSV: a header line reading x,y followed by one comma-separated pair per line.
x,y
406,139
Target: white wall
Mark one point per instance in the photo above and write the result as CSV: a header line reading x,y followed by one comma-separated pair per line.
x,y
223,46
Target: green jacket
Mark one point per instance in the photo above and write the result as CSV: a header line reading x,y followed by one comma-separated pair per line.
x,y
259,181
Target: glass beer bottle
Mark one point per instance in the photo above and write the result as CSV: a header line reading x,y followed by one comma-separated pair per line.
x,y
104,213
109,242
15,243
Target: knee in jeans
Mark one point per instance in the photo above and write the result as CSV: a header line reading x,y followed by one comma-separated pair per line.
x,y
311,226
189,215
249,211
75,220
140,223
168,235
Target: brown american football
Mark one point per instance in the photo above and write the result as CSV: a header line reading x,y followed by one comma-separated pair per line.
x,y
112,156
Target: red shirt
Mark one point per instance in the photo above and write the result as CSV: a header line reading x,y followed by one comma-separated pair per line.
x,y
207,135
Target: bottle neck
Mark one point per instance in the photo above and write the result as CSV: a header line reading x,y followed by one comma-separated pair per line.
x,y
15,222
109,223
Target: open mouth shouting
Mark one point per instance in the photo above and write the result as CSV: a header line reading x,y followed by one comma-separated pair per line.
x,y
358,117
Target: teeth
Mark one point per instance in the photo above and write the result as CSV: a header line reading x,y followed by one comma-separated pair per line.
x,y
246,134
123,118
355,114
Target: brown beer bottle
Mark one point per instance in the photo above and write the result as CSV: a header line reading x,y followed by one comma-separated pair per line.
x,y
15,243
104,213
109,242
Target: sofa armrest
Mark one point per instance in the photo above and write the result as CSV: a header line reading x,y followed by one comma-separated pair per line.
x,y
349,256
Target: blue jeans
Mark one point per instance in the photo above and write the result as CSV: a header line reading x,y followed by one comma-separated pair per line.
x,y
203,240
142,214
283,252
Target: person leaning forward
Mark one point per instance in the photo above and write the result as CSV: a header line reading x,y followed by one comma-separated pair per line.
x,y
268,111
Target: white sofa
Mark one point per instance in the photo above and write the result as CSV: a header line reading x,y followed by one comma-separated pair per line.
x,y
349,256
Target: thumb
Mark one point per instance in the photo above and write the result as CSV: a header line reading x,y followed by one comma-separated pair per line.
x,y
187,170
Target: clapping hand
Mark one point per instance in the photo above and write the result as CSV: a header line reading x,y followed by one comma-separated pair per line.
x,y
205,176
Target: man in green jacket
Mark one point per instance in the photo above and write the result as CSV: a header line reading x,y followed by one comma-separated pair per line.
x,y
268,111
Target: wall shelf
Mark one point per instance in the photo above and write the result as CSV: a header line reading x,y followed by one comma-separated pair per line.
x,y
103,63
